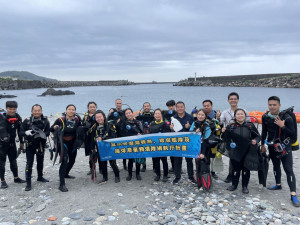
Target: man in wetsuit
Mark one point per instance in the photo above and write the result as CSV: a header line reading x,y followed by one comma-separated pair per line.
x,y
10,123
278,128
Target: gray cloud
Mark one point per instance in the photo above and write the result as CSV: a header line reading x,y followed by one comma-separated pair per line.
x,y
149,40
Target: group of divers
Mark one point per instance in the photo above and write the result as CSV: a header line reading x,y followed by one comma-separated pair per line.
x,y
238,135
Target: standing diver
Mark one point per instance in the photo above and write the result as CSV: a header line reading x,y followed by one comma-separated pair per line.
x,y
36,129
129,126
114,115
68,125
160,126
10,123
167,114
102,130
278,128
88,121
239,135
227,116
146,117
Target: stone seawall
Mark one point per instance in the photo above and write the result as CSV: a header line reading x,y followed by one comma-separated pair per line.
x,y
278,81
8,84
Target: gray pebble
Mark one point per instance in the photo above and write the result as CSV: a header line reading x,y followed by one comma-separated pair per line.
x,y
88,218
100,212
75,216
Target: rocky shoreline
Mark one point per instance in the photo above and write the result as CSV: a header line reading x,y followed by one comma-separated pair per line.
x,y
142,202
9,84
276,81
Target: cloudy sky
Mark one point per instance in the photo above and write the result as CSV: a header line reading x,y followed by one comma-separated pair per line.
x,y
146,40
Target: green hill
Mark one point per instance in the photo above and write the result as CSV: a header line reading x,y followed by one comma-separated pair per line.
x,y
24,75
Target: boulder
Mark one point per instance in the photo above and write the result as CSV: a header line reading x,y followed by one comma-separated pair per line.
x,y
53,92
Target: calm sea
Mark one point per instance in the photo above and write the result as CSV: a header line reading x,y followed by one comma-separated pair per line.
x,y
157,94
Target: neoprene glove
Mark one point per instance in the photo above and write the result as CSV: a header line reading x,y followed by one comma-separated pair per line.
x,y
29,132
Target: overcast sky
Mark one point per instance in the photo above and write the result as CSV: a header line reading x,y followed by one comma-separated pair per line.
x,y
162,40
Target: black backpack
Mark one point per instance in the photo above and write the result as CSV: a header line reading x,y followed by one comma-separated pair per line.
x,y
294,137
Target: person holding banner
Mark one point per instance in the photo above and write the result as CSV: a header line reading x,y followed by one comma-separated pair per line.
x,y
201,125
160,126
103,130
114,115
130,127
185,120
146,117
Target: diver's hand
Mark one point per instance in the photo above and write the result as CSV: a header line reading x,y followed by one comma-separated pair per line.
x,y
99,138
223,129
187,125
201,156
218,114
198,130
28,132
172,127
263,149
279,122
253,142
55,127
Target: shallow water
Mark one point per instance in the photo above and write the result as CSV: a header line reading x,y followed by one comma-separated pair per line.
x,y
157,94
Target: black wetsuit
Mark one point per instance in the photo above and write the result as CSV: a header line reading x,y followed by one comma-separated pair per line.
x,y
106,131
167,114
270,131
35,144
247,131
69,137
146,119
88,123
131,128
10,125
114,117
178,160
161,127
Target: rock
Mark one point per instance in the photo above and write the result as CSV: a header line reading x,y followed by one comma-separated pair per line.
x,y
277,222
120,194
40,207
43,192
152,219
88,218
32,221
53,92
111,218
115,214
101,219
181,210
210,219
7,96
128,211
65,223
65,219
100,212
75,216
52,218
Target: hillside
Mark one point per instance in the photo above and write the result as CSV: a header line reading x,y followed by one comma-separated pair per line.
x,y
24,75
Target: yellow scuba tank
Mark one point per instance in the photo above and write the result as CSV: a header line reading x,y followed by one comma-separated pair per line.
x,y
295,146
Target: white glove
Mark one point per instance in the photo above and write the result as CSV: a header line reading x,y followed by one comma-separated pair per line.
x,y
28,132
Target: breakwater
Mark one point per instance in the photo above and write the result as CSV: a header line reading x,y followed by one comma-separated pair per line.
x,y
9,84
284,80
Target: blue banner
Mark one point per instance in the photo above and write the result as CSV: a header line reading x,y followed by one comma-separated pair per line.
x,y
182,144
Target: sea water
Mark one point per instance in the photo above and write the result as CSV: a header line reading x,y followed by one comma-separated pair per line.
x,y
251,98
